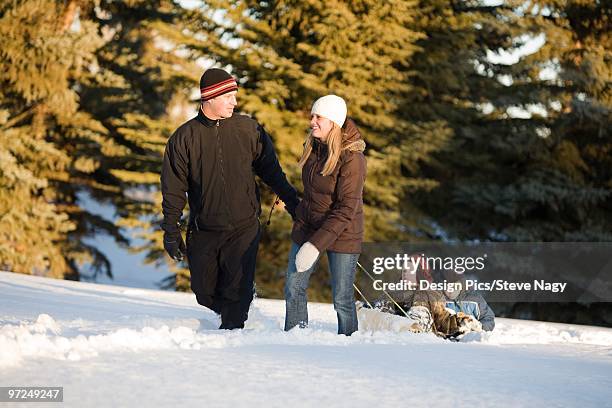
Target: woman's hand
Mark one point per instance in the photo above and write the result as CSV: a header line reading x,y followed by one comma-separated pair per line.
x,y
306,257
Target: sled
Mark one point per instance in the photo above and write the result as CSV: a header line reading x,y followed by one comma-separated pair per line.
x,y
375,320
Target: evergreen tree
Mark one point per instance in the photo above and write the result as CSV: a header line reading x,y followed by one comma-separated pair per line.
x,y
288,53
575,168
503,152
41,57
90,95
140,94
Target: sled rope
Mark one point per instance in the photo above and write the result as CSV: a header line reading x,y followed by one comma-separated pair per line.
x,y
384,291
276,202
363,296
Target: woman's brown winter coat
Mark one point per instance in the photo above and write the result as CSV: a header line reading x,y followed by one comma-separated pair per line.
x,y
331,214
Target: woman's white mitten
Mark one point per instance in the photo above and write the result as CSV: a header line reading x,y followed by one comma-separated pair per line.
x,y
306,257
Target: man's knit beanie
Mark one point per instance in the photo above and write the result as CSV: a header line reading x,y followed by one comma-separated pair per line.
x,y
215,82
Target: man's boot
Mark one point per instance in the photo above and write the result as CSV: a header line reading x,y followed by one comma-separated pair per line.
x,y
231,316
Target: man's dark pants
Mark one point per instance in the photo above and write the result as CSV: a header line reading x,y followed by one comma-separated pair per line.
x,y
222,267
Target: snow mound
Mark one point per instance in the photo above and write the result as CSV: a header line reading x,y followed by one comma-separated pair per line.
x,y
43,338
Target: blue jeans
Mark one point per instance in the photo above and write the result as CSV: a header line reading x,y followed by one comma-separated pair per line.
x,y
342,268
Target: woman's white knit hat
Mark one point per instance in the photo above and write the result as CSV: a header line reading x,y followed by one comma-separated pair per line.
x,y
331,107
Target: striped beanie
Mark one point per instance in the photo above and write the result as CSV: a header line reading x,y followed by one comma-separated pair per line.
x,y
215,82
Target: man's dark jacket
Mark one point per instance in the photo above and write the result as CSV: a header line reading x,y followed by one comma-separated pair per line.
x,y
214,162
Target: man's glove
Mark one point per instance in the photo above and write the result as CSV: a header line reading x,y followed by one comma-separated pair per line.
x,y
306,257
291,213
174,246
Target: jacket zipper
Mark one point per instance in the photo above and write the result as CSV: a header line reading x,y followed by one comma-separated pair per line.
x,y
220,149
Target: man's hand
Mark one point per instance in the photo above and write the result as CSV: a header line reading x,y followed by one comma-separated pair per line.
x,y
174,246
291,210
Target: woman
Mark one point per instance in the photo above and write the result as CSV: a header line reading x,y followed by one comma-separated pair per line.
x,y
330,217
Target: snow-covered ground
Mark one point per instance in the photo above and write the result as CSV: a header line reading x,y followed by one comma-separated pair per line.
x,y
119,346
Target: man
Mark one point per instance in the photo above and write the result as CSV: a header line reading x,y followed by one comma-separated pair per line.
x,y
432,310
468,302
213,158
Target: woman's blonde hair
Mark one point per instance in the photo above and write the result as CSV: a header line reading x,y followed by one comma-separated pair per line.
x,y
334,148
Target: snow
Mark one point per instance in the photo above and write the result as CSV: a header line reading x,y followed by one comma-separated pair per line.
x,y
119,346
